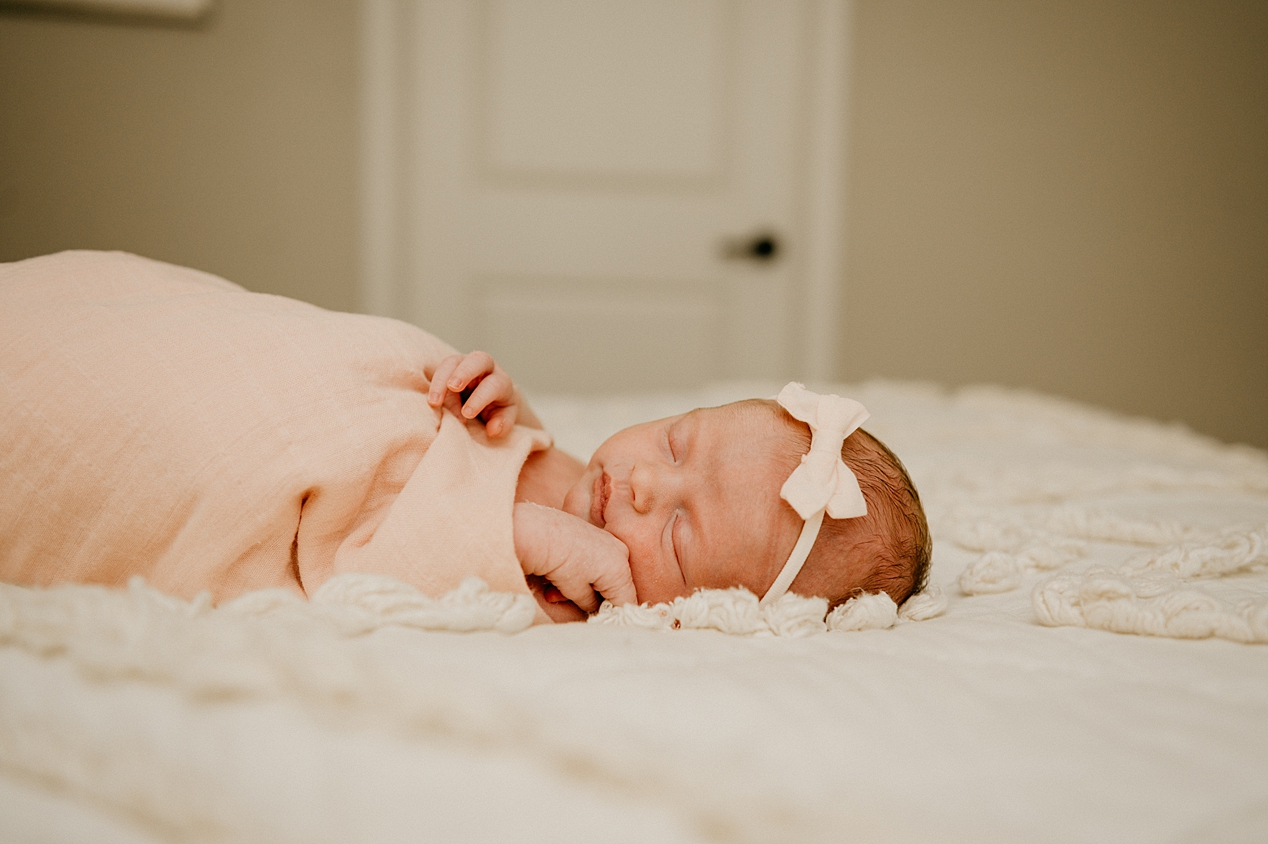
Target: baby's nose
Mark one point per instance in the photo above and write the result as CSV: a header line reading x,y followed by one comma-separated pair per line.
x,y
642,488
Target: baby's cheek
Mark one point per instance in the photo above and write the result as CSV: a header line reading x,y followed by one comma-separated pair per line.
x,y
638,572
651,582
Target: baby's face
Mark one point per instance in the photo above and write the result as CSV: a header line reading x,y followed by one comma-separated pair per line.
x,y
696,500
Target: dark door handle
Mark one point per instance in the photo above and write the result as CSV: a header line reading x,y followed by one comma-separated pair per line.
x,y
762,247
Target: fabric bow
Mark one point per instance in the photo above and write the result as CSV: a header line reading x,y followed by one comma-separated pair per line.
x,y
823,481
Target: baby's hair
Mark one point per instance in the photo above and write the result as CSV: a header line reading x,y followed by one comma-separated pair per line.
x,y
902,564
896,547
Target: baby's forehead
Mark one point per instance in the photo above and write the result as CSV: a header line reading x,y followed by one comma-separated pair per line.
x,y
749,432
748,459
749,462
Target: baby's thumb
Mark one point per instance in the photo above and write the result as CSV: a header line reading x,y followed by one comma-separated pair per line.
x,y
501,422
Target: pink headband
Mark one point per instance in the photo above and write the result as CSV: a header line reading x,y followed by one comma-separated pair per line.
x,y
822,483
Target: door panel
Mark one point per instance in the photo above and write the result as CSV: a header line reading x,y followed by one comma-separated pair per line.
x,y
575,89
575,168
599,327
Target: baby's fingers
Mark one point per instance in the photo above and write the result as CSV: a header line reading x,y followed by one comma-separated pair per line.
x,y
576,589
604,573
617,586
470,368
440,378
500,422
496,390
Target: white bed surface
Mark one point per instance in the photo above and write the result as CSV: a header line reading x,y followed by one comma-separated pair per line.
x,y
163,722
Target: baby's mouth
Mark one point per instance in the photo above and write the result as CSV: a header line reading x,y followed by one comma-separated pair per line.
x,y
599,499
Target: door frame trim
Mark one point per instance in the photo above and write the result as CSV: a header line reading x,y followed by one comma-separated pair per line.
x,y
825,189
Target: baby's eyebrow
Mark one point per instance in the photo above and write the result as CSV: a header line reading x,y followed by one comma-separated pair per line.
x,y
690,422
674,433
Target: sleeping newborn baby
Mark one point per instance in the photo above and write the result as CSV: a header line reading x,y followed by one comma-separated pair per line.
x,y
164,423
772,496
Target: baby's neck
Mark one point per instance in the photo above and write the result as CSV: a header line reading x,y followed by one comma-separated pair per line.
x,y
547,476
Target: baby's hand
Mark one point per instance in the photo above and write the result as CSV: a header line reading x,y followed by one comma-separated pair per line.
x,y
490,393
584,563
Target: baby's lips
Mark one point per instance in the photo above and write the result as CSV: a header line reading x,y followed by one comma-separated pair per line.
x,y
596,501
607,498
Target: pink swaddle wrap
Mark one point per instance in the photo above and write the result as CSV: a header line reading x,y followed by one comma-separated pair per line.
x,y
161,421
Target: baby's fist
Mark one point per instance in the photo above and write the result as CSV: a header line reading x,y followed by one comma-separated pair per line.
x,y
585,563
476,386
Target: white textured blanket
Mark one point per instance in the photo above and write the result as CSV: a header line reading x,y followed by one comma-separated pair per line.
x,y
1008,713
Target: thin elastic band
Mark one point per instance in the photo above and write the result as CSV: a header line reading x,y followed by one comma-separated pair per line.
x,y
797,559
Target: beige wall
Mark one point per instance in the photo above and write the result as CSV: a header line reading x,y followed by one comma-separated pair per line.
x,y
230,147
1068,196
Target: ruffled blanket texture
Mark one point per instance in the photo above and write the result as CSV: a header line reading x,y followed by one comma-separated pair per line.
x,y
1001,706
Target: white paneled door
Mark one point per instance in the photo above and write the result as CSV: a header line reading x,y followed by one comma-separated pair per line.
x,y
609,194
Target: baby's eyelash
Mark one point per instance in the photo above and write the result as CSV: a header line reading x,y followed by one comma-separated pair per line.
x,y
673,538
